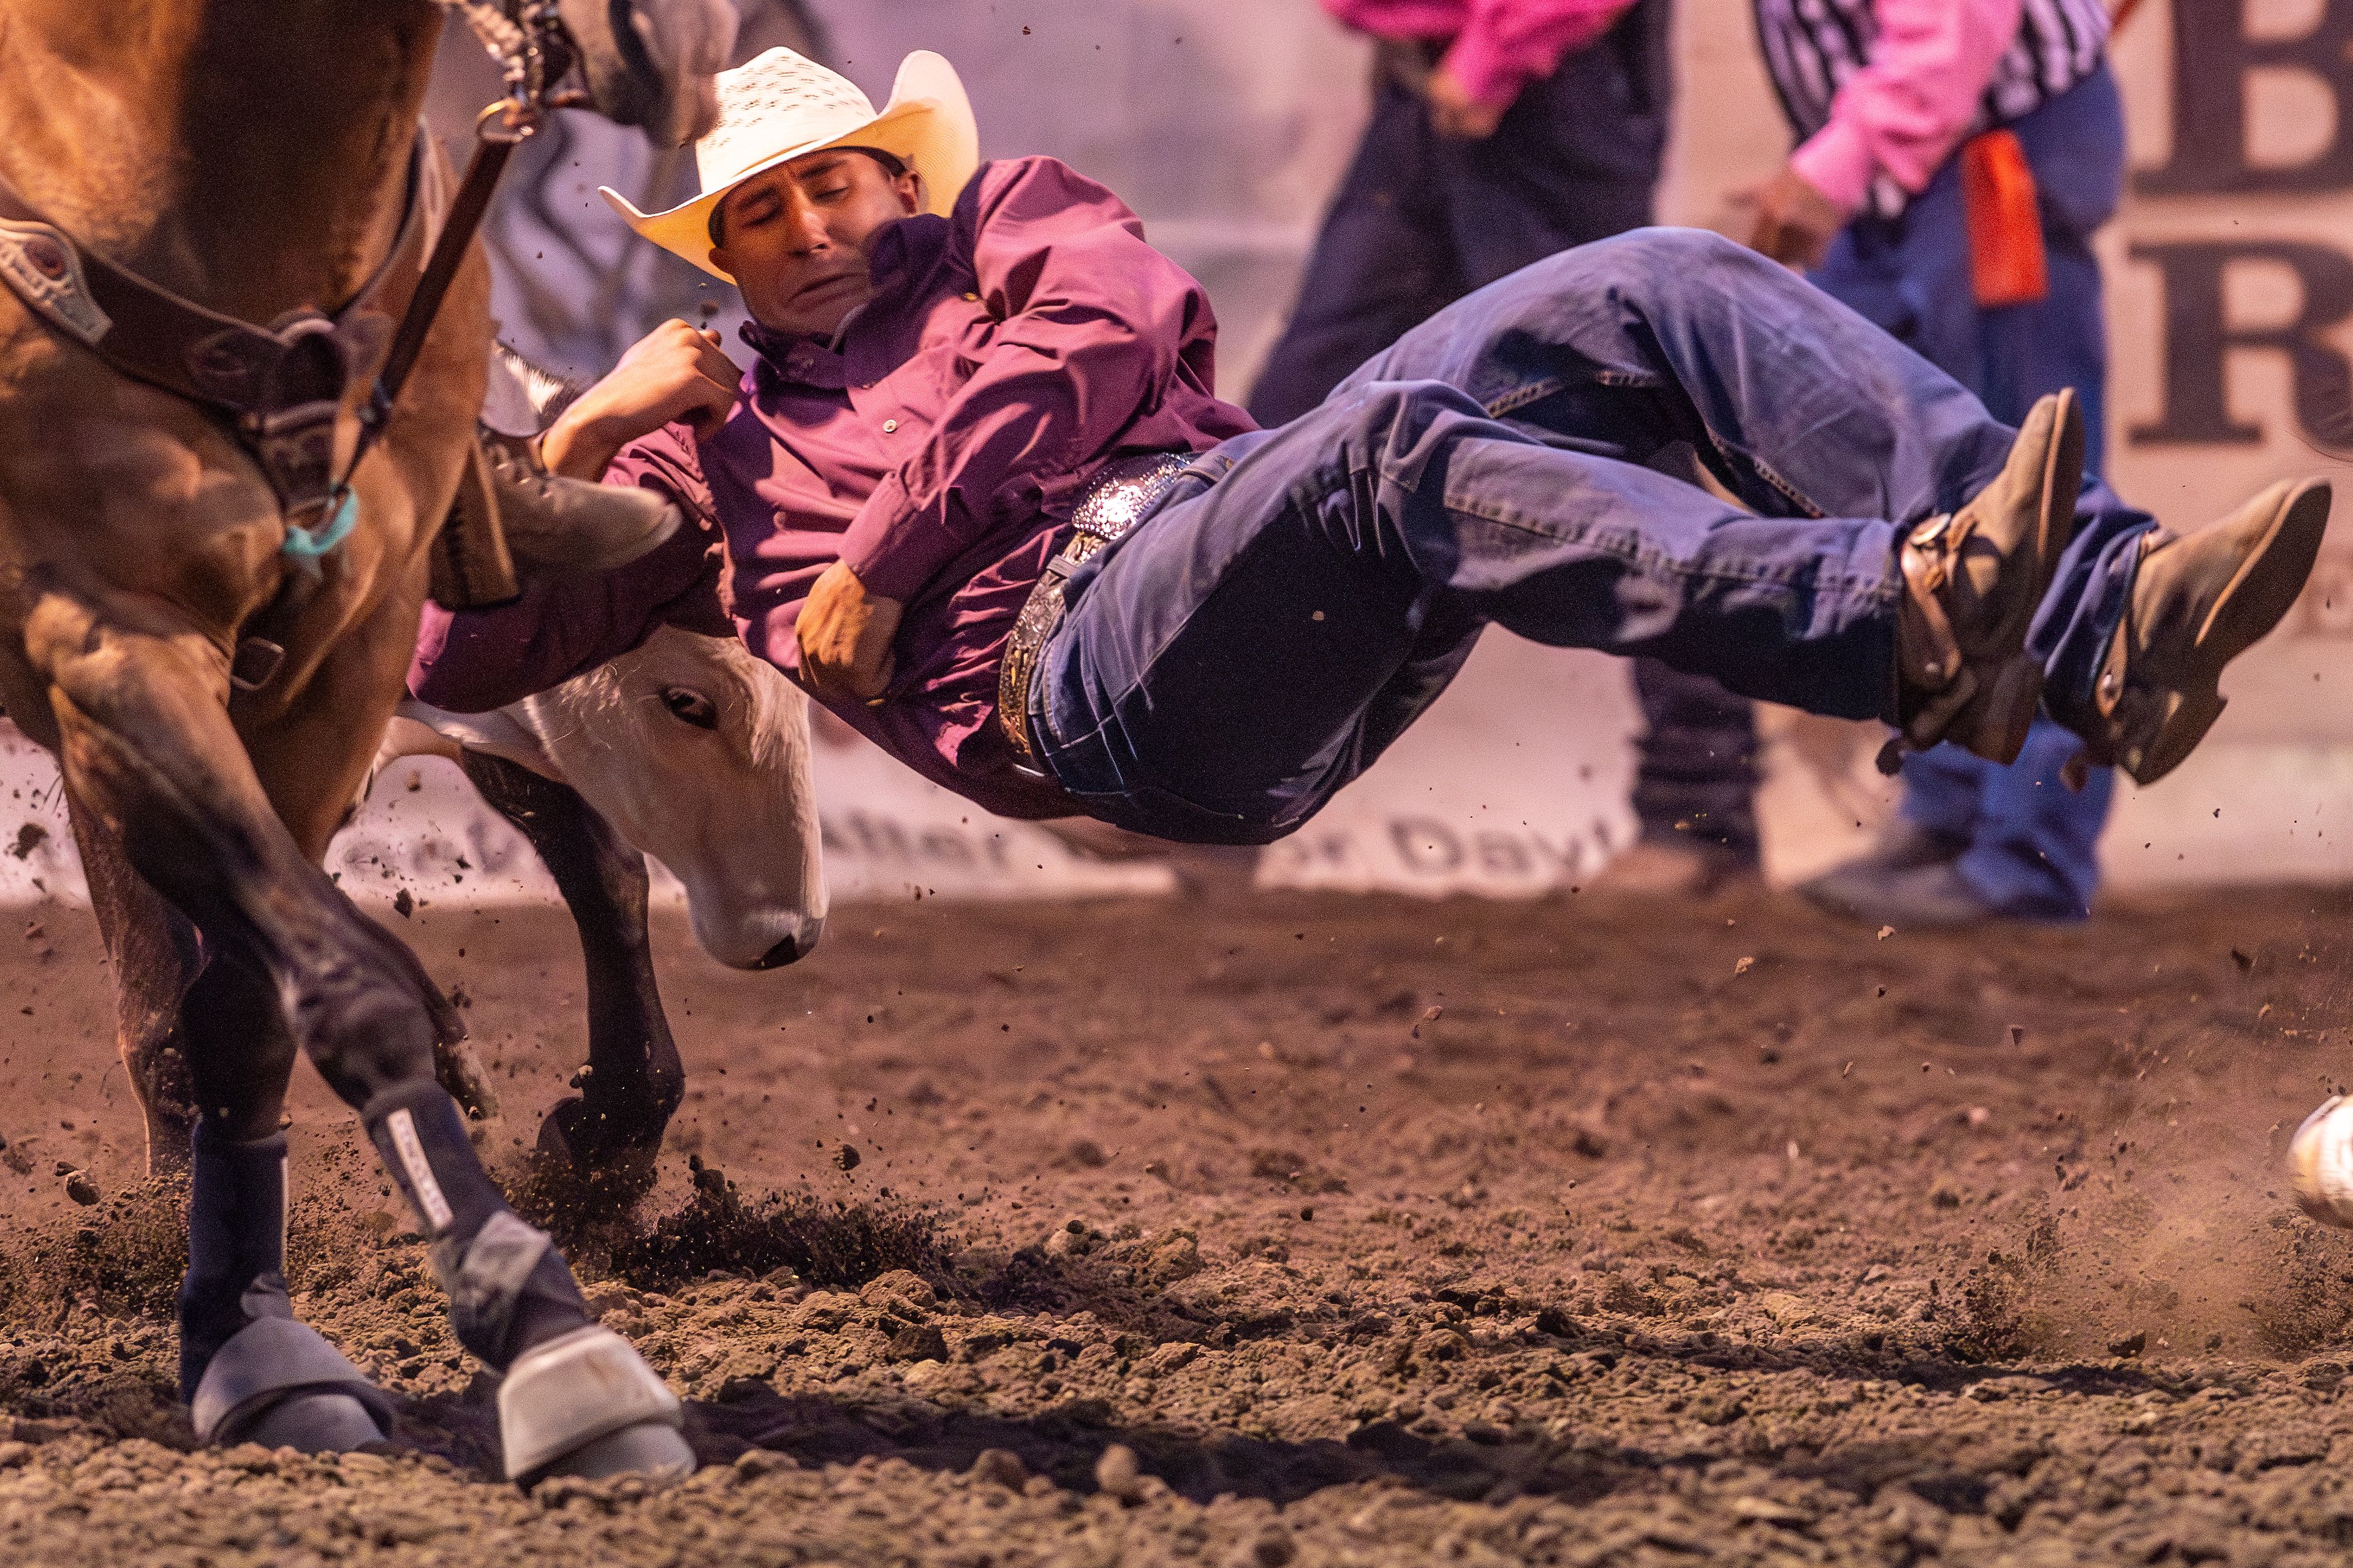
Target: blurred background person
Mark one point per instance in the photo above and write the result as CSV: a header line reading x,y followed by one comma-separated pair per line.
x,y
1503,131
1953,160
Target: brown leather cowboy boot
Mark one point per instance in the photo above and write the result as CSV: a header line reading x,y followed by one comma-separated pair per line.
x,y
2199,601
1972,581
575,525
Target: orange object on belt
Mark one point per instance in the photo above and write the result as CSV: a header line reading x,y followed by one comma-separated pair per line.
x,y
2005,221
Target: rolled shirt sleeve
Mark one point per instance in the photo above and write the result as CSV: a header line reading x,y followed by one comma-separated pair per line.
x,y
1907,109
1092,327
567,623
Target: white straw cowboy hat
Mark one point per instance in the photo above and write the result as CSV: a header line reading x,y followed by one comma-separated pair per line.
x,y
779,106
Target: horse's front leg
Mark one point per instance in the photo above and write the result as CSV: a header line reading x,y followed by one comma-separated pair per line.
x,y
156,958
148,749
155,955
612,1130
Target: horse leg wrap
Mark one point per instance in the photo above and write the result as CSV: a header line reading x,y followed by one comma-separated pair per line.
x,y
280,1383
249,1371
236,1235
586,1403
508,1287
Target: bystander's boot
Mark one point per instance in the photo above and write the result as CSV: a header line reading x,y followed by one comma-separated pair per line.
x,y
1676,865
1867,887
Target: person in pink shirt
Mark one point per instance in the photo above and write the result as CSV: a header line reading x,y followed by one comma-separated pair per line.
x,y
1952,159
1503,132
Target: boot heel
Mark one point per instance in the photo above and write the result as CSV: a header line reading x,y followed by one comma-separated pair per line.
x,y
1995,726
2166,730
1934,722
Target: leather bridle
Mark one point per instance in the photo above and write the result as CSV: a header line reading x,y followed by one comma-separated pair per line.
x,y
306,396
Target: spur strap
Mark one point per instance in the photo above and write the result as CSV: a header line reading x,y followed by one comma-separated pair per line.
x,y
1114,500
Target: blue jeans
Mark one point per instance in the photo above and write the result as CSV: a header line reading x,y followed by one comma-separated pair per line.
x,y
2033,844
1302,594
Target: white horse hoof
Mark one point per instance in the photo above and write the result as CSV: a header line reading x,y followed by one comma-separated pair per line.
x,y
2320,1163
649,1448
586,1403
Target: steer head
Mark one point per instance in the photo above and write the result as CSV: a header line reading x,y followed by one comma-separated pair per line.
x,y
698,753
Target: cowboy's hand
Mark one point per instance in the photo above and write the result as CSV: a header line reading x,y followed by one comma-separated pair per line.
x,y
1454,112
845,635
675,371
1795,222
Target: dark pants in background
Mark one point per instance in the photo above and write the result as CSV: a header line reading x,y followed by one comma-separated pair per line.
x,y
1421,220
2031,844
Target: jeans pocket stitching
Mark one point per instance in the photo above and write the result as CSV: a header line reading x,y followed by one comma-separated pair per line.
x,y
1520,397
1772,477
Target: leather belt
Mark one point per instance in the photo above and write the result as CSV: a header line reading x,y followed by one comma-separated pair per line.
x,y
1114,498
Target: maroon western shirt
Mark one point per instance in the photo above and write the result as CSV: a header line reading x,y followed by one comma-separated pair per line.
x,y
935,446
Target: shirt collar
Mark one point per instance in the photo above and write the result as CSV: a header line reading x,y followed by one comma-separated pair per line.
x,y
797,359
906,250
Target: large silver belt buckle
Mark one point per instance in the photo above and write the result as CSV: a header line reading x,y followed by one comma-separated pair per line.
x,y
1120,492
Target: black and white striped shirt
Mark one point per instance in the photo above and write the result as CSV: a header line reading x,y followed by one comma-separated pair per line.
x,y
1812,46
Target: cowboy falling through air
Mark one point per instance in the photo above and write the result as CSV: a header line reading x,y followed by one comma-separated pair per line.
x,y
976,494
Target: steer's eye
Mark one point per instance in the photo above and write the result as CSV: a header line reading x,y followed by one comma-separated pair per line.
x,y
691,706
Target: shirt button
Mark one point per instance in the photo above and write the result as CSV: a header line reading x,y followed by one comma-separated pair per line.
x,y
889,426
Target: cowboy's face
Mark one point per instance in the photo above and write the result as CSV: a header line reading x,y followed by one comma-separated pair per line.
x,y
796,237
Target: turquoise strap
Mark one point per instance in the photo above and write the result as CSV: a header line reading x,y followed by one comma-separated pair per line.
x,y
311,544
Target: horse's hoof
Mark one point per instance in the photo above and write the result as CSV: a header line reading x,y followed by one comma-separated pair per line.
x,y
648,1449
579,1137
586,1403
278,1383
315,1421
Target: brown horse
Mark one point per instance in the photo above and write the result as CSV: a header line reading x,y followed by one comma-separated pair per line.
x,y
255,158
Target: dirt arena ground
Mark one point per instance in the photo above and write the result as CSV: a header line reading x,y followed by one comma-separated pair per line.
x,y
1288,1230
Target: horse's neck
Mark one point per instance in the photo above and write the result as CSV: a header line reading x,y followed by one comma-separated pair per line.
x,y
248,152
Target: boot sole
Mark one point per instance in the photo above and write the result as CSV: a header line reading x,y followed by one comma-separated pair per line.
x,y
2256,599
1993,722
